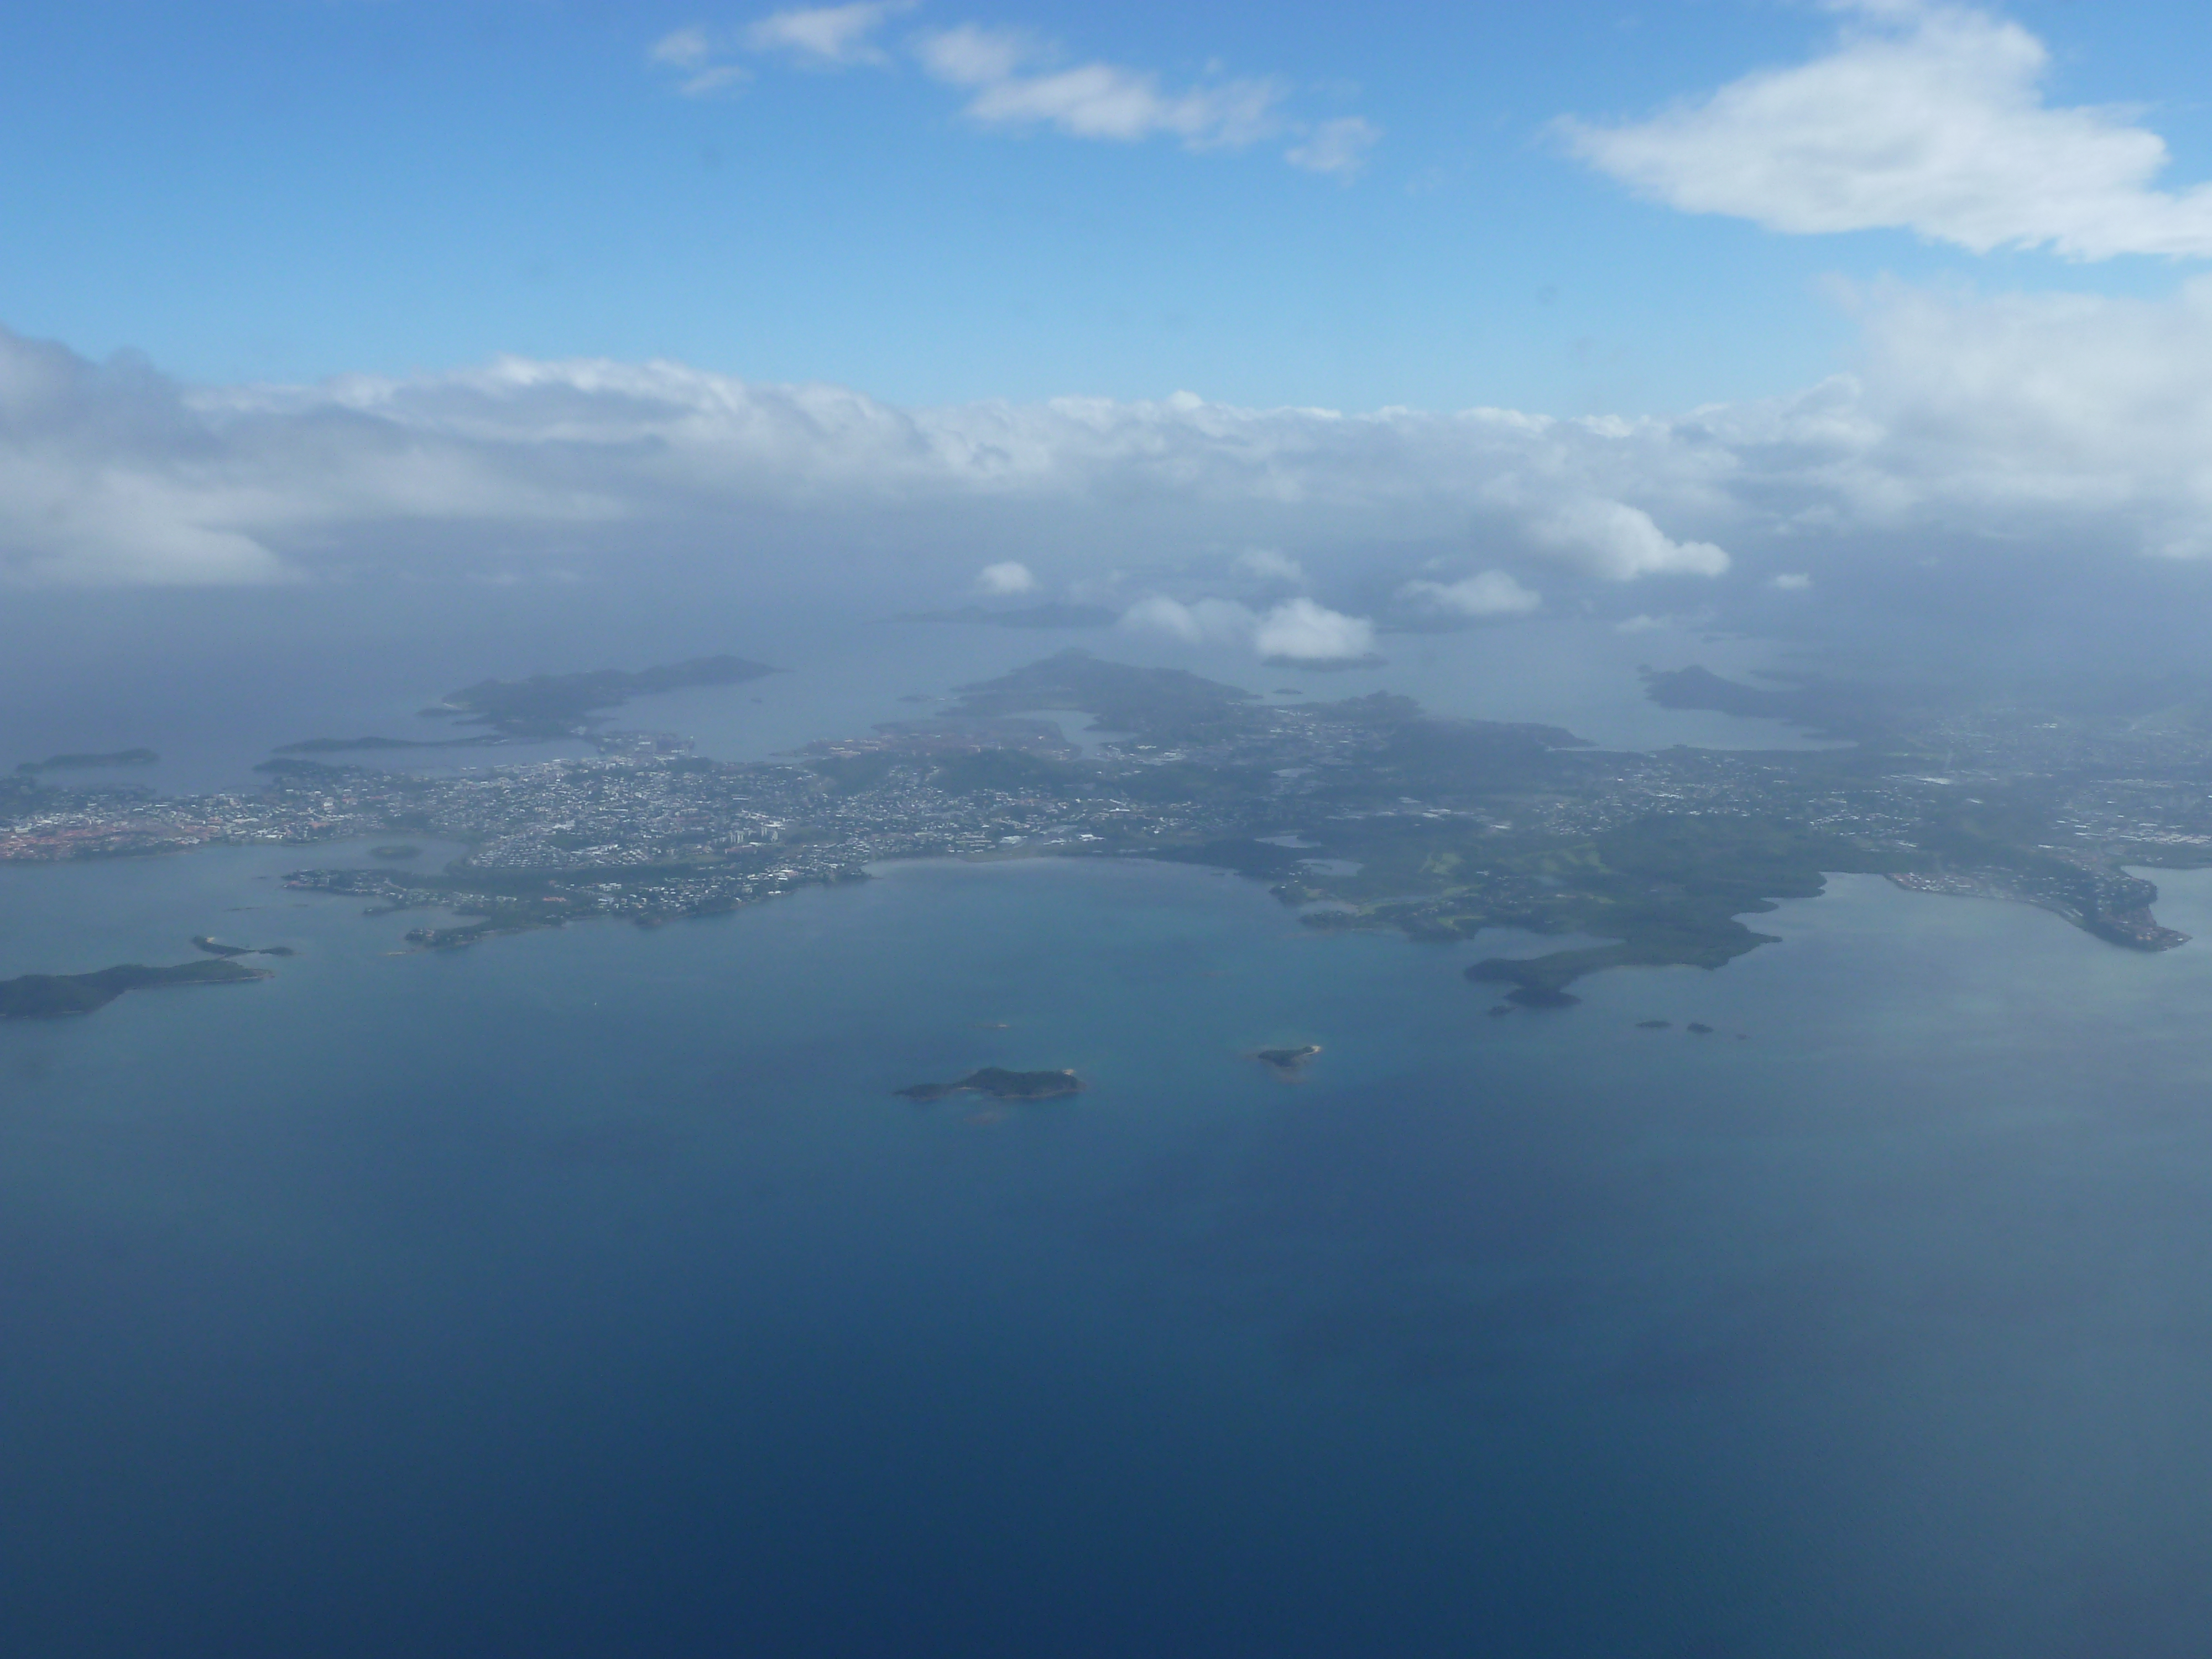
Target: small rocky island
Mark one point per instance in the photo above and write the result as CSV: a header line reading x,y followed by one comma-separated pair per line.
x,y
1288,1064
1002,1084
49,996
215,947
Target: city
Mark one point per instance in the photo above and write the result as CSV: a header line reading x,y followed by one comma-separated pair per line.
x,y
1366,812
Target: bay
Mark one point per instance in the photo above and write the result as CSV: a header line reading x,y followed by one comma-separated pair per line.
x,y
589,1291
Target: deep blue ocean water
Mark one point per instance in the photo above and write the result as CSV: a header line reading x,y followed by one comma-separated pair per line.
x,y
589,1292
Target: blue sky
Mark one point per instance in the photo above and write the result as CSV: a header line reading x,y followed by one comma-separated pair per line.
x,y
299,188
1294,322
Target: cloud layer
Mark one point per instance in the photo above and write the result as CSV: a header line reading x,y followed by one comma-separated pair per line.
x,y
114,473
1928,118
2037,422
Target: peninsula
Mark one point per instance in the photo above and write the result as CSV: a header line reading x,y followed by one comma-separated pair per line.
x,y
48,996
1363,812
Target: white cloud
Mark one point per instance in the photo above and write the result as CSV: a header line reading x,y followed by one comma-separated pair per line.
x,y
1002,70
1613,539
1924,117
2030,418
1793,581
1219,621
827,35
1270,564
2047,423
1011,577
819,37
1159,614
1300,629
692,52
1013,80
109,474
1338,149
1490,593
683,48
256,480
973,56
1309,632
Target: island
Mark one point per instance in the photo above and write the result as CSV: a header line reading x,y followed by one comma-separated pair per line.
x,y
1363,812
49,996
216,948
1001,1084
563,705
1288,1064
541,709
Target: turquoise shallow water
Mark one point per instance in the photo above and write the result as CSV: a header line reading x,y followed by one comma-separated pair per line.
x,y
588,1292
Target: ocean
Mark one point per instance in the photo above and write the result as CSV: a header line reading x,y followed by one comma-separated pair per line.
x,y
592,1292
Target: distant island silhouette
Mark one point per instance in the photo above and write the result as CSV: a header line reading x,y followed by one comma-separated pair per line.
x,y
1288,1064
48,996
216,948
1001,1084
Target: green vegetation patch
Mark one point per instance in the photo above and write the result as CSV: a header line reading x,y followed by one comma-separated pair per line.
x,y
1669,889
1009,771
49,996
